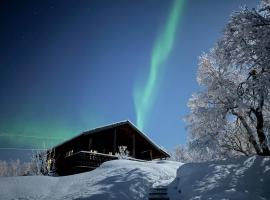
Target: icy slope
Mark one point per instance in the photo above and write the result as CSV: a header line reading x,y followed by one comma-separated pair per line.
x,y
246,178
119,179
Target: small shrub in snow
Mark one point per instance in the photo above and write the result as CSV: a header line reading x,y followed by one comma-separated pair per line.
x,y
123,152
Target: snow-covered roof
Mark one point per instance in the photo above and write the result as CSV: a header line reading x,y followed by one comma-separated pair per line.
x,y
109,126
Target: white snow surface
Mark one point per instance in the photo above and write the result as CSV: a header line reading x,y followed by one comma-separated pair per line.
x,y
245,178
117,179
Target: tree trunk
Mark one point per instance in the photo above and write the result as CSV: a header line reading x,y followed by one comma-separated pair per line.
x,y
249,132
260,132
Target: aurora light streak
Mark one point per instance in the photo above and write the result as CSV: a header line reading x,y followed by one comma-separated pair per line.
x,y
143,96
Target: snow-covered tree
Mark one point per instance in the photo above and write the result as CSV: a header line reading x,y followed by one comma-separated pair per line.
x,y
3,168
123,152
42,163
180,154
231,114
14,168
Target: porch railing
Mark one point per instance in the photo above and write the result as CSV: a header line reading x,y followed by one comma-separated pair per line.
x,y
86,159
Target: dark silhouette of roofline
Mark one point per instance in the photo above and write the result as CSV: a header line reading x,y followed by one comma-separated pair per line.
x,y
114,125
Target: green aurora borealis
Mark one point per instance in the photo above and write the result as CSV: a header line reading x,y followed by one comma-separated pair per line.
x,y
144,95
70,66
28,130
51,96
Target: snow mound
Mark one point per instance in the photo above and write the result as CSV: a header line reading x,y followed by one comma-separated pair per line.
x,y
117,179
243,178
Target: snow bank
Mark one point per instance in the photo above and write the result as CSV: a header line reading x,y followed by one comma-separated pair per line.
x,y
242,179
118,179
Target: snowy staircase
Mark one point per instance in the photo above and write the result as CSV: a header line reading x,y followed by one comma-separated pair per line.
x,y
158,193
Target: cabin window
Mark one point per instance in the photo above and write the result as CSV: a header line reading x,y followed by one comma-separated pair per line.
x,y
69,153
49,164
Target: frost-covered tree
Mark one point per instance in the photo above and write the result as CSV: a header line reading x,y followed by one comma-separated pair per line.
x,y
180,154
3,168
192,152
37,165
231,114
123,152
14,168
42,163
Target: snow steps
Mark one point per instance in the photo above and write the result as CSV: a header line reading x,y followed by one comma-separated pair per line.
x,y
158,193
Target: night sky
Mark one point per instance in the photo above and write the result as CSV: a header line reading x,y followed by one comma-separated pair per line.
x,y
70,66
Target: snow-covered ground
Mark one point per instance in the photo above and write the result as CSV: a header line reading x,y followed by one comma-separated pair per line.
x,y
243,178
118,179
246,178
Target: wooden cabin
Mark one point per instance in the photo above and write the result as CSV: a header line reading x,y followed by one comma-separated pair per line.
x,y
91,148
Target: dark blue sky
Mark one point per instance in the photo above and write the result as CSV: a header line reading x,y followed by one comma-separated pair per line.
x,y
69,66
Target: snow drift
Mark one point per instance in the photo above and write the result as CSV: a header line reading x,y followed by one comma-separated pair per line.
x,y
242,179
118,179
